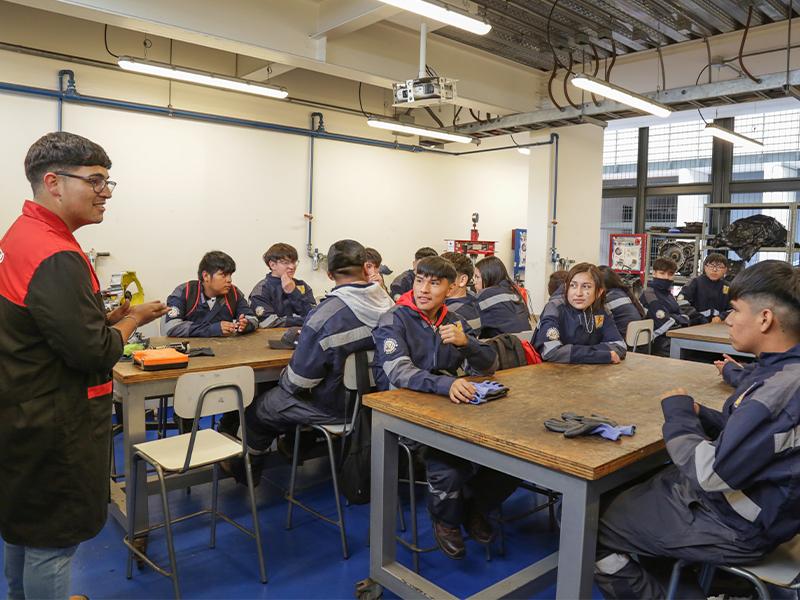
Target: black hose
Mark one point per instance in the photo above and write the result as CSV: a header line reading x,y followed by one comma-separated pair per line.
x,y
741,46
613,58
105,40
566,79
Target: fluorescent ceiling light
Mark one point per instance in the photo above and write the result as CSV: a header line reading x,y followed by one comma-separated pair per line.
x,y
614,92
733,137
443,14
421,131
525,151
190,76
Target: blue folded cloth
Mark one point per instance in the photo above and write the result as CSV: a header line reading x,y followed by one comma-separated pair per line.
x,y
488,390
610,432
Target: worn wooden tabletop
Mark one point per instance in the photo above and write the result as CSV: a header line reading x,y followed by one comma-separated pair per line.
x,y
629,393
250,349
710,332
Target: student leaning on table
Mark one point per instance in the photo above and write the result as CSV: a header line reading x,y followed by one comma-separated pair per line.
x,y
732,493
57,349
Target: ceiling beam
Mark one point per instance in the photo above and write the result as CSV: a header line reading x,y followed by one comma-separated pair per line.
x,y
708,91
340,17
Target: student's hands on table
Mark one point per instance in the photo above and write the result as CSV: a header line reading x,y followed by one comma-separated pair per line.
x,y
228,328
241,324
453,334
287,283
615,359
462,391
716,320
720,364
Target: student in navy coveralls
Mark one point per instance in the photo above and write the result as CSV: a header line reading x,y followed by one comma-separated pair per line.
x,y
280,300
503,309
575,327
421,345
461,300
732,492
708,293
620,301
209,306
661,305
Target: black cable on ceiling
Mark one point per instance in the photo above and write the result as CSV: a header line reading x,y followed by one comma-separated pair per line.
x,y
566,79
360,103
105,40
434,117
741,46
613,57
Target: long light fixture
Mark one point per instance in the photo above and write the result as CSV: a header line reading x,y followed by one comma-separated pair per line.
x,y
149,67
734,138
620,94
525,151
421,131
443,14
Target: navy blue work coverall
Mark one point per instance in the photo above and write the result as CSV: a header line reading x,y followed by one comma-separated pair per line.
x,y
503,311
276,308
467,309
709,298
311,389
568,335
732,493
191,314
409,353
624,311
663,308
401,284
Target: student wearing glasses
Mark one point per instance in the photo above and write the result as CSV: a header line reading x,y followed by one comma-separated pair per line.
x,y
280,300
708,293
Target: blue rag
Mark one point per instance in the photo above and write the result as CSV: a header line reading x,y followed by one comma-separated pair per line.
x,y
613,433
488,390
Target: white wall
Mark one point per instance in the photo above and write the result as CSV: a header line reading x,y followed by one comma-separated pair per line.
x,y
188,187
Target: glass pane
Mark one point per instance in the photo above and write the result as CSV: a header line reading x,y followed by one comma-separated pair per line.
x,y
620,149
679,153
780,157
616,216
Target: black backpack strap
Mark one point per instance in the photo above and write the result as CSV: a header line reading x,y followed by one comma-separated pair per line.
x,y
362,374
192,296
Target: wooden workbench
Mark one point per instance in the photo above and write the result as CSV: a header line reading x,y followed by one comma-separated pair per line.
x,y
710,337
509,435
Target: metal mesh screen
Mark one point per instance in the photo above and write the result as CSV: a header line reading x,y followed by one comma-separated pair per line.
x,y
620,148
780,157
679,153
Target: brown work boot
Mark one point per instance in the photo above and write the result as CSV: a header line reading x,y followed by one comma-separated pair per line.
x,y
449,540
479,528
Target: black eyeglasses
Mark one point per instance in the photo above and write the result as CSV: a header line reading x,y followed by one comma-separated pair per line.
x,y
98,183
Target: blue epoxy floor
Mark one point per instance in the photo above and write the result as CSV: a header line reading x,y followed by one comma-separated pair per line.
x,y
304,562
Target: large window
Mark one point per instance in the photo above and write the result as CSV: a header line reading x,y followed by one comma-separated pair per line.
x,y
687,169
780,157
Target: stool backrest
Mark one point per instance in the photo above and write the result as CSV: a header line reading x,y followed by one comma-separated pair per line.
x,y
358,380
638,330
213,392
351,374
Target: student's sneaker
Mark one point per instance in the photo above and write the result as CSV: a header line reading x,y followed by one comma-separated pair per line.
x,y
449,540
479,528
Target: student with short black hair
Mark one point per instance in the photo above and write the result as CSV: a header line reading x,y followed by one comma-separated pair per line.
x,y
210,305
421,345
732,491
575,327
373,264
661,306
620,301
461,300
707,294
311,389
281,300
503,308
405,281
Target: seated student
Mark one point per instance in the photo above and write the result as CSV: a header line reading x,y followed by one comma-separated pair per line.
x,y
708,293
405,281
620,301
576,328
374,267
503,309
421,345
211,305
732,492
661,306
280,300
461,300
310,389
556,283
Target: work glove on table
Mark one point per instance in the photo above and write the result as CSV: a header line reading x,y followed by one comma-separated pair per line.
x,y
573,425
488,390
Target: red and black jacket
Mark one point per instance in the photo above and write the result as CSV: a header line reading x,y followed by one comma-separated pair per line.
x,y
56,356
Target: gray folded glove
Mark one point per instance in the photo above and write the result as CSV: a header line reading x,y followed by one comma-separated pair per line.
x,y
572,425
